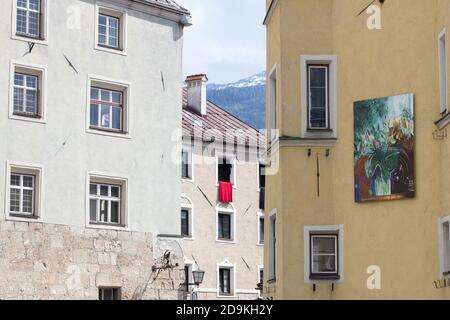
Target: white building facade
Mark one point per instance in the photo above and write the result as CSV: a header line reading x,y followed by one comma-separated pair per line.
x,y
222,237
90,197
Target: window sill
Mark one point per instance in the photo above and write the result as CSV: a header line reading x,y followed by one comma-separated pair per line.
x,y
112,50
106,132
324,277
93,225
226,241
23,218
189,238
189,180
26,117
272,281
26,38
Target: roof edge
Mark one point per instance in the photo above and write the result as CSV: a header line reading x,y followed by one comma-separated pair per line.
x,y
270,11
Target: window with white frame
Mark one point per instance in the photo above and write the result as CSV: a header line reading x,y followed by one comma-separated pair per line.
x,y
27,94
443,72
186,164
110,29
318,96
272,272
444,244
186,222
318,107
261,229
272,106
108,107
225,226
323,253
226,169
109,294
226,275
24,191
28,18
105,203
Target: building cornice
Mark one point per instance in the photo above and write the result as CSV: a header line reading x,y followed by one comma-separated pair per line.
x,y
182,17
307,142
270,11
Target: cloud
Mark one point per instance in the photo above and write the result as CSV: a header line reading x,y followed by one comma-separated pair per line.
x,y
227,40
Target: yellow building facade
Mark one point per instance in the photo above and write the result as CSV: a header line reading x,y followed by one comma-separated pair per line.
x,y
386,249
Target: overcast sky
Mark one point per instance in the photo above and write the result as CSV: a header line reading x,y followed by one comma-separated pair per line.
x,y
227,40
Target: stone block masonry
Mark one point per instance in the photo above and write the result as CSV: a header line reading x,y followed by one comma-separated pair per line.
x,y
44,261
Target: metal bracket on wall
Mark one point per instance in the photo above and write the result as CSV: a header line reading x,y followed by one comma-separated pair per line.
x,y
440,134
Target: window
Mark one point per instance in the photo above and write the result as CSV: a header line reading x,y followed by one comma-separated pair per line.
x,y
186,229
24,191
27,98
188,276
110,30
108,108
224,232
261,185
107,204
22,194
261,229
272,105
444,244
260,284
226,169
225,285
186,165
272,247
443,72
324,253
109,294
28,19
318,97
25,94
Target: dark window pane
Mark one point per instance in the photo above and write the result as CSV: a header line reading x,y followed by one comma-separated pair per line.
x,y
225,281
93,210
115,218
185,223
317,77
94,115
224,170
318,98
225,226
318,118
261,230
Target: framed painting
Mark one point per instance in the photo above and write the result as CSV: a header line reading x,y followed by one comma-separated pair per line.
x,y
384,148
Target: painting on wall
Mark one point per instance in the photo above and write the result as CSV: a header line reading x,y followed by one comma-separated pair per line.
x,y
384,148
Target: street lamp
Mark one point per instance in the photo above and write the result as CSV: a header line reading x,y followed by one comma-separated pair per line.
x,y
198,276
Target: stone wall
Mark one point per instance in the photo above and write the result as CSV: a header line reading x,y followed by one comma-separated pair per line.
x,y
44,261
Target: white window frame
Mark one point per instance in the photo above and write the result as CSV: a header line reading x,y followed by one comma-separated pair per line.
x,y
188,204
272,124
327,230
109,199
34,70
335,254
326,67
111,105
24,168
331,62
122,15
230,210
232,267
114,85
43,25
232,158
272,252
444,246
191,164
443,71
119,289
260,216
109,179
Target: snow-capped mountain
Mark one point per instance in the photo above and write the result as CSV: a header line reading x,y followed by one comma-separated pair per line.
x,y
245,99
253,81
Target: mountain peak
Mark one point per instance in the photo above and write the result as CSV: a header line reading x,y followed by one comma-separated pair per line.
x,y
252,81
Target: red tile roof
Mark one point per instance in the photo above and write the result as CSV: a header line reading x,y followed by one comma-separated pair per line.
x,y
227,126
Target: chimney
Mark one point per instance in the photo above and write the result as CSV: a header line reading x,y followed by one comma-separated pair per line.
x,y
196,92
